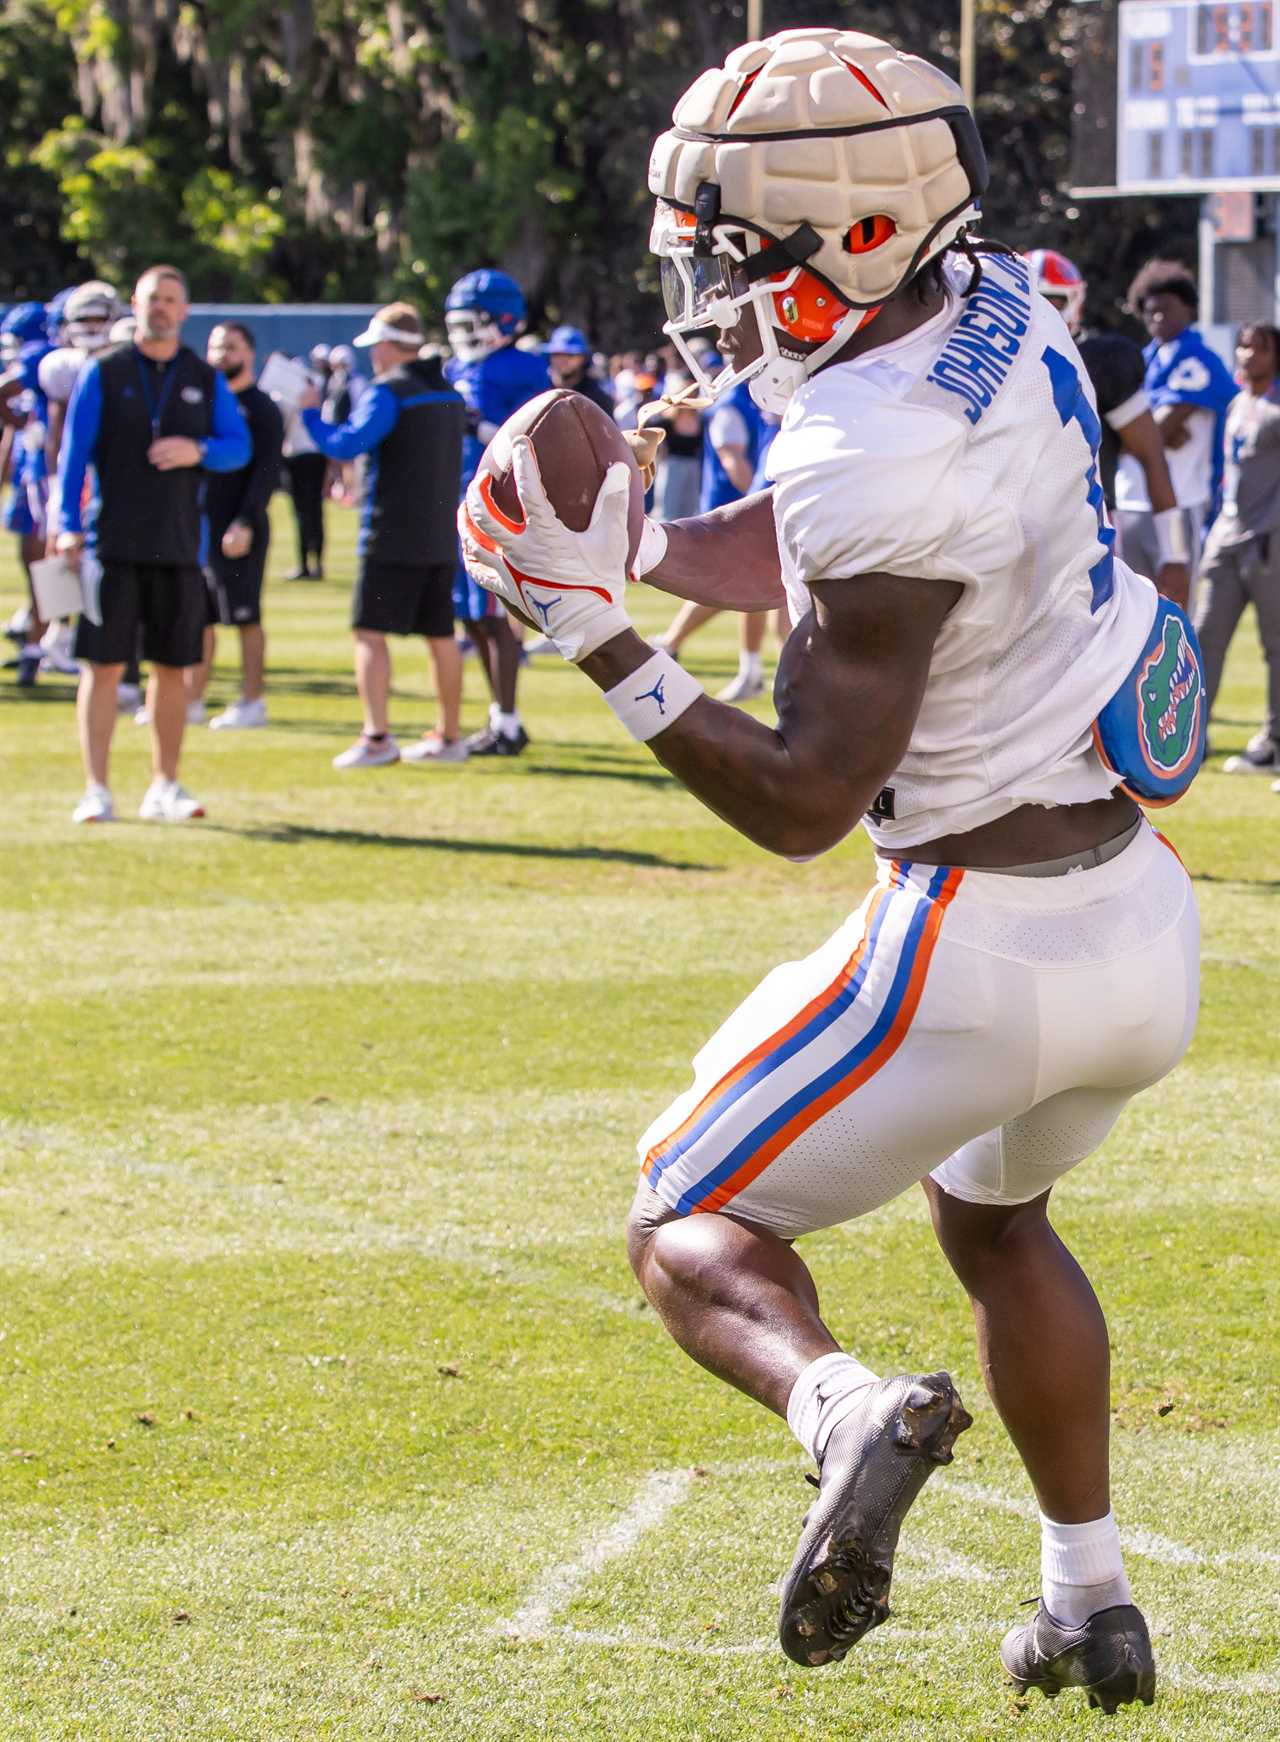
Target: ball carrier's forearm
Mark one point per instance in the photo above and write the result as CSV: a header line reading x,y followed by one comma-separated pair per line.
x,y
734,764
844,720
727,558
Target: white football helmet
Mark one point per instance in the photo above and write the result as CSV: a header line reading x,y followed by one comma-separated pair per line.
x,y
806,181
89,314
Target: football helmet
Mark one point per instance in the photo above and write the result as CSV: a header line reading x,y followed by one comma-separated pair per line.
x,y
89,314
1061,281
24,324
804,184
482,312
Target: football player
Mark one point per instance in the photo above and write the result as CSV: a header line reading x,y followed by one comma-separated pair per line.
x,y
82,320
1117,373
23,342
1028,958
1189,388
484,315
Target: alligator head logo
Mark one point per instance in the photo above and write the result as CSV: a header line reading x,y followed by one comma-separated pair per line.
x,y
1170,701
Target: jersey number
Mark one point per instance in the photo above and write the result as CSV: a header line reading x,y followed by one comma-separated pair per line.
x,y
1072,404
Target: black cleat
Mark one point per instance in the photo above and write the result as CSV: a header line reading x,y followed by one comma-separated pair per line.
x,y
876,1462
1109,1656
490,742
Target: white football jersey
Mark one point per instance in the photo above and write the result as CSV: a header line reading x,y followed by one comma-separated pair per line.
x,y
58,371
967,452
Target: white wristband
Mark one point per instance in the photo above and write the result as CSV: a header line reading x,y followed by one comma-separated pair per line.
x,y
1171,535
654,696
652,547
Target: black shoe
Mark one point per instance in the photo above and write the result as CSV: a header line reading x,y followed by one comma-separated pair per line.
x,y
876,1462
493,743
1109,1656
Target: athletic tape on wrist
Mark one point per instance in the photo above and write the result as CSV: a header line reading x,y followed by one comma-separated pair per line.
x,y
654,696
1171,535
651,549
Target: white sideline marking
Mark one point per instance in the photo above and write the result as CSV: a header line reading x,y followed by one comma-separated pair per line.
x,y
1147,1543
663,1490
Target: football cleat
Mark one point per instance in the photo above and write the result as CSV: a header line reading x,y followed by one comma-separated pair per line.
x,y
1109,1656
876,1462
490,742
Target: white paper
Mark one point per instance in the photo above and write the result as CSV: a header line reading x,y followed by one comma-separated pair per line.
x,y
284,380
57,588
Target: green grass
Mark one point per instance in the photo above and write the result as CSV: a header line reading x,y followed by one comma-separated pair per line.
x,y
322,1366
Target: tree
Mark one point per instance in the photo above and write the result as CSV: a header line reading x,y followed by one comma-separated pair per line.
x,y
364,148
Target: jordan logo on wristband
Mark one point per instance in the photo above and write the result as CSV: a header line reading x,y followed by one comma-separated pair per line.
x,y
657,693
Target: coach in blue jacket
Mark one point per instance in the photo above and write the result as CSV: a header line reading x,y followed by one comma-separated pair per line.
x,y
410,423
145,422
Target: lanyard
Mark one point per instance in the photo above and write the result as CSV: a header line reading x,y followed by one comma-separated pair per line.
x,y
155,407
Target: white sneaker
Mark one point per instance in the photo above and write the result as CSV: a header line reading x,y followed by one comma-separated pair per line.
x,y
128,697
431,747
57,642
95,806
744,688
196,714
142,716
240,716
166,802
365,754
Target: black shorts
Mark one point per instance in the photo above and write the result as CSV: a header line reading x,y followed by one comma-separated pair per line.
x,y
404,598
168,602
235,586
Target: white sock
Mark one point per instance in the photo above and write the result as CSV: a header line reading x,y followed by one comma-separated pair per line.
x,y
822,1396
1081,1569
507,724
750,665
495,714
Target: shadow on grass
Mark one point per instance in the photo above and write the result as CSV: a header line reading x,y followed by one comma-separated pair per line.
x,y
298,834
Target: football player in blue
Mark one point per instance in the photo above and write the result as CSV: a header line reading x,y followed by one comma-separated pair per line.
x,y
23,342
484,315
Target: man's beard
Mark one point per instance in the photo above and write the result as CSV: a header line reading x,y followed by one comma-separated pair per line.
x,y
230,370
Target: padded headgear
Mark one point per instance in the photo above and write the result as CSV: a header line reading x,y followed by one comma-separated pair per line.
x,y
866,159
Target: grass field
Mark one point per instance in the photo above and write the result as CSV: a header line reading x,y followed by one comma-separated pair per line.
x,y
329,1407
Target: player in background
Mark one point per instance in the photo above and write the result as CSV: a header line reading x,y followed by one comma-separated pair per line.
x,y
1028,959
1189,388
732,442
84,317
23,342
1242,552
1117,371
484,315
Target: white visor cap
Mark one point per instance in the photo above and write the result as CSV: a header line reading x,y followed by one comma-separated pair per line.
x,y
378,332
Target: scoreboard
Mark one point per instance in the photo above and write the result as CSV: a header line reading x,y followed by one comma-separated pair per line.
x,y
1198,85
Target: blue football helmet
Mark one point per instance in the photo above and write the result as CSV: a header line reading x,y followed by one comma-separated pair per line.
x,y
482,312
53,314
23,325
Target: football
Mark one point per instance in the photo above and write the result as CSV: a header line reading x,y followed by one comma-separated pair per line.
x,y
574,443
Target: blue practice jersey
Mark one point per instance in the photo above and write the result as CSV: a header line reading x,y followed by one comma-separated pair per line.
x,y
494,387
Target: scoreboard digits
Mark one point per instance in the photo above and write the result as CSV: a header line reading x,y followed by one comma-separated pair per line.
x,y
1199,95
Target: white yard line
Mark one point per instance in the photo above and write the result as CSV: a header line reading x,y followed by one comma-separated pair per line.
x,y
557,1588
1147,1543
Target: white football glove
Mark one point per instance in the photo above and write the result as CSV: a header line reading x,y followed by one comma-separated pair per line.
x,y
570,583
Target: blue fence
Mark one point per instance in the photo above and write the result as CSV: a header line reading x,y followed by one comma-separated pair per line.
x,y
289,327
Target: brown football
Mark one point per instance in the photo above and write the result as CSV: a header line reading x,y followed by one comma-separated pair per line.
x,y
574,443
